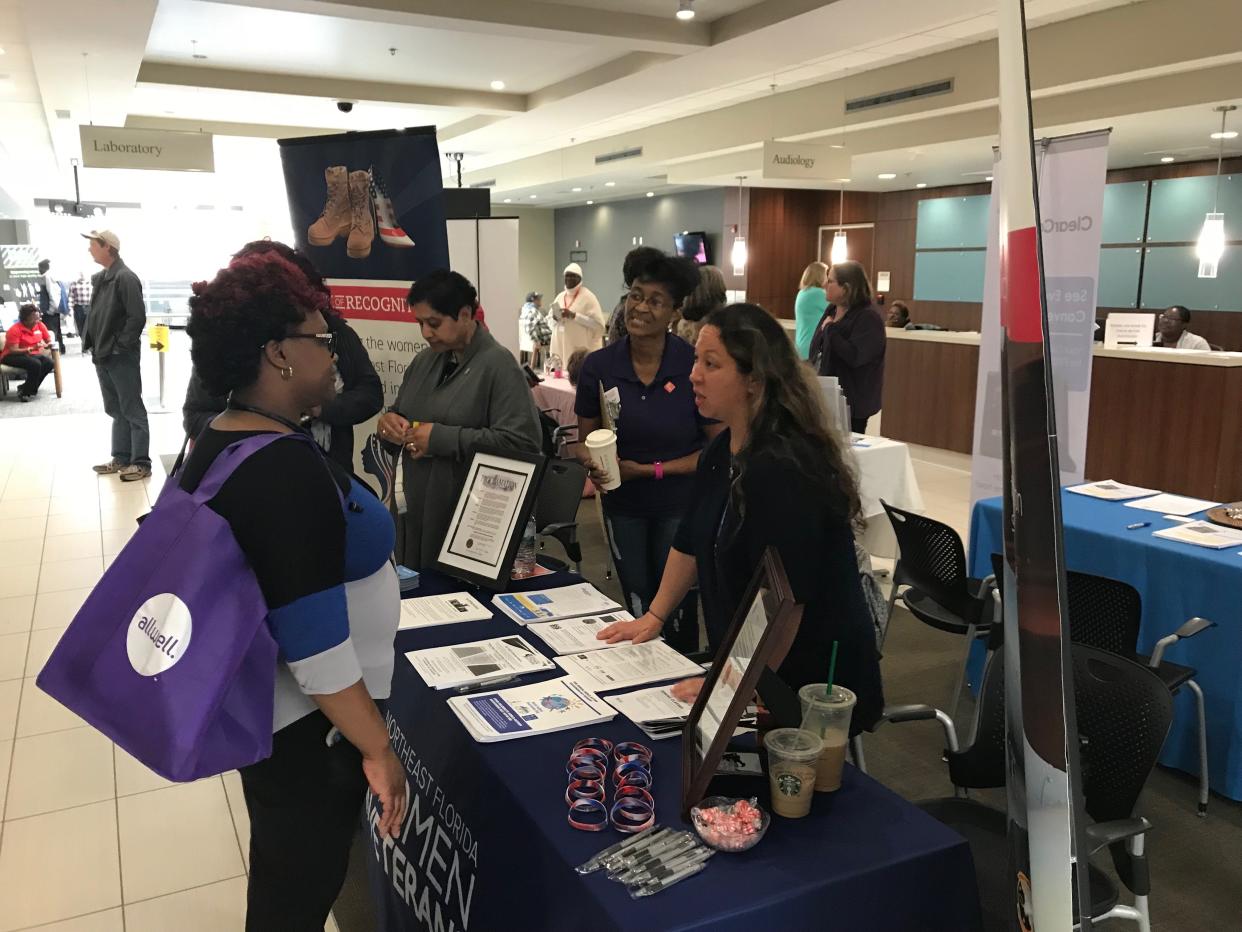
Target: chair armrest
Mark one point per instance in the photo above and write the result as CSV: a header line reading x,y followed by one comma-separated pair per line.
x,y
922,713
559,526
1101,834
1188,630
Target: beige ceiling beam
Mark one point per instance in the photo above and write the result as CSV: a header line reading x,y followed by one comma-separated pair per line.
x,y
222,128
306,86
606,73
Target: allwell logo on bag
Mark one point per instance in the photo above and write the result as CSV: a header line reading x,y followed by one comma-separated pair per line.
x,y
159,634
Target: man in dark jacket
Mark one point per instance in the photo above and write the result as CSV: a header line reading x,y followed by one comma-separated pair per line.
x,y
114,338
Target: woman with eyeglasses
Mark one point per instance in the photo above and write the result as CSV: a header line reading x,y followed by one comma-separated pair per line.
x,y
319,544
642,382
464,391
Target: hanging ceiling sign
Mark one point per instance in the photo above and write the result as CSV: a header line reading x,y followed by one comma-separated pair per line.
x,y
805,161
149,149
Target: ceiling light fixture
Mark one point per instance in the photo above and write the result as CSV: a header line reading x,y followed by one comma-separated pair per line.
x,y
508,200
840,250
886,176
738,254
685,10
1166,158
650,194
533,196
610,184
589,203
988,178
1,49
921,184
498,85
1232,134
576,190
1211,245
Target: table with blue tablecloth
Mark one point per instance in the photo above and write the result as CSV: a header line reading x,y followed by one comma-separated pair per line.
x,y
1176,581
487,845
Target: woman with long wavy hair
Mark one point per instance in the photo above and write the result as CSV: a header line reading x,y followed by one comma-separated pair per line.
x,y
776,476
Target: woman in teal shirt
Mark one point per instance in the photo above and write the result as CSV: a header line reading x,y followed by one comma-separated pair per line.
x,y
810,306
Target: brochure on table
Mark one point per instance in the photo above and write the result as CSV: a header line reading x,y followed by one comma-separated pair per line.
x,y
430,610
1111,491
577,635
655,710
554,604
1202,534
628,665
1167,504
532,709
478,662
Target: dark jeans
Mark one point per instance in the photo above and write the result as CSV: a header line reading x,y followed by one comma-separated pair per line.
x,y
120,381
640,548
305,802
79,319
51,320
36,367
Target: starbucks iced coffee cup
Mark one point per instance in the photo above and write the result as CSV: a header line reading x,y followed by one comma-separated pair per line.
x,y
827,714
603,446
792,754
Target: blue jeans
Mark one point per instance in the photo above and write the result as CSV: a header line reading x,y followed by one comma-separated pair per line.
x,y
120,382
640,548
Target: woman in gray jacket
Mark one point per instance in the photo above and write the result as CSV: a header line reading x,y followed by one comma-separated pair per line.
x,y
463,391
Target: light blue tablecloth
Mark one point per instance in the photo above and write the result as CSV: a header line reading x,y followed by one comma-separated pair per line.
x,y
1177,581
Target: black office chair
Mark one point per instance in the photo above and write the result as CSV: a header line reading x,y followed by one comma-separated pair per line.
x,y
1124,713
556,508
932,564
1106,614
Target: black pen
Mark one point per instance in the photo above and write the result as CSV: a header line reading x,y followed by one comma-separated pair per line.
x,y
484,685
1135,527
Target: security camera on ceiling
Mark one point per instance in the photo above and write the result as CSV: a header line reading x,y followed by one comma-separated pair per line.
x,y
345,106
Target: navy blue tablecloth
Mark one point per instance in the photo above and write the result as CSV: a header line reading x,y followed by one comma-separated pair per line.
x,y
1176,582
488,846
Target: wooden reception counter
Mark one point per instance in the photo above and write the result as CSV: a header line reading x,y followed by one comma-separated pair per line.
x,y
1165,419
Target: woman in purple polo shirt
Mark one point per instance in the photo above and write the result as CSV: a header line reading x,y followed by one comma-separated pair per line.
x,y
644,380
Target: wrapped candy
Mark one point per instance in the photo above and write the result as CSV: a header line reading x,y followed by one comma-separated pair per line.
x,y
730,824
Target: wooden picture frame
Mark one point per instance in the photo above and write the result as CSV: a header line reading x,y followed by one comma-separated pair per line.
x,y
762,631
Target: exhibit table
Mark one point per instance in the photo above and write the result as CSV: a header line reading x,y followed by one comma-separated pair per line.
x,y
1176,581
885,472
487,845
556,397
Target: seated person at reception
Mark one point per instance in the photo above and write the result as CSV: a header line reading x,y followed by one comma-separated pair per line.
x,y
28,346
464,391
1173,333
778,476
898,316
850,342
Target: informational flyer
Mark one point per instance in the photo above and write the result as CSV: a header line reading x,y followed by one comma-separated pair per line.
x,y
655,710
554,604
537,708
1202,534
1110,490
431,610
477,663
577,635
1167,504
628,665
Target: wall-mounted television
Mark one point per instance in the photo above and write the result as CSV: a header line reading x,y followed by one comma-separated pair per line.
x,y
693,245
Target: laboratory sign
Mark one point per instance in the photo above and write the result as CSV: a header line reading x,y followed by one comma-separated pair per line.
x,y
149,149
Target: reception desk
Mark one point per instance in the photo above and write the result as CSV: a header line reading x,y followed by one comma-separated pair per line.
x,y
1165,419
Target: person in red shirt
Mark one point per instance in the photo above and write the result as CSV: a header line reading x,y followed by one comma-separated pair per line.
x,y
27,346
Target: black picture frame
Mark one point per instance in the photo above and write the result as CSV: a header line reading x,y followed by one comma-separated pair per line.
x,y
769,591
530,468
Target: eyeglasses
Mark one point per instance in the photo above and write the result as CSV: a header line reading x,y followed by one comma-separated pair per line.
x,y
655,303
326,340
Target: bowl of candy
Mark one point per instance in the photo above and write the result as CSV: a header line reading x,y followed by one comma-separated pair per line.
x,y
730,824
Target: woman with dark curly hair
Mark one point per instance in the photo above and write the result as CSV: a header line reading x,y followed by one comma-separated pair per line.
x,y
776,476
319,544
28,346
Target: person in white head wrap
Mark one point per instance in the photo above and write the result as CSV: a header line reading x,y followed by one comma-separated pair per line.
x,y
577,318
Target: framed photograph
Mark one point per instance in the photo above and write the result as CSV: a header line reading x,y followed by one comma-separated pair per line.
x,y
493,506
760,635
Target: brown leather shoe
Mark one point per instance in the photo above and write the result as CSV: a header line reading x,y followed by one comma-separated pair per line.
x,y
335,219
361,216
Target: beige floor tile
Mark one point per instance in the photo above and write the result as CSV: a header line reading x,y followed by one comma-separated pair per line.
x,y
77,522
42,643
115,539
19,579
16,613
217,907
76,503
56,609
10,698
23,488
20,550
122,519
108,920
23,529
134,777
59,575
59,865
6,754
108,560
11,646
59,770
158,861
72,546
241,816
40,714
24,507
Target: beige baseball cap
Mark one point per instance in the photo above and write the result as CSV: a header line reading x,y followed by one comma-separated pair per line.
x,y
105,236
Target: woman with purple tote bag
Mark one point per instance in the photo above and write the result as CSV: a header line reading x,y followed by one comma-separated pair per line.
x,y
309,548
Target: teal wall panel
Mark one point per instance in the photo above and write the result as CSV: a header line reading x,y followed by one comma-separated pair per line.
x,y
949,276
952,222
1170,276
1125,208
1178,206
1119,277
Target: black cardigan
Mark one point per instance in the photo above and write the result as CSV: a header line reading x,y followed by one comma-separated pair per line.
x,y
787,510
852,349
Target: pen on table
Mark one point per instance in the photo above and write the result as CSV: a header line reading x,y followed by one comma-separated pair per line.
x,y
1135,527
484,684
658,885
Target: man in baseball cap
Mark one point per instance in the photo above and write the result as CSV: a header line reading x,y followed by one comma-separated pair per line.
x,y
114,339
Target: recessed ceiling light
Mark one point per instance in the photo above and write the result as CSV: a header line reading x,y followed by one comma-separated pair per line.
x,y
1228,134
921,184
498,85
508,200
1,49
576,190
1166,158
685,9
589,203
988,178
610,184
533,196
886,176
650,194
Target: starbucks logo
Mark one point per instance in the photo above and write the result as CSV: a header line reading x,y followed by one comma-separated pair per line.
x,y
790,784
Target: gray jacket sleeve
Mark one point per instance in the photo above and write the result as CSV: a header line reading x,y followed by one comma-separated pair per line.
x,y
129,296
512,420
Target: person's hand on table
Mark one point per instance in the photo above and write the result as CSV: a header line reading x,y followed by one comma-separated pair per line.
x,y
637,631
386,777
392,427
687,690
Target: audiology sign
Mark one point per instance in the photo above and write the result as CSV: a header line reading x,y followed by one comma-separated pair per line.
x,y
804,160
150,149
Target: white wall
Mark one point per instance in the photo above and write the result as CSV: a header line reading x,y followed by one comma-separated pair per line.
x,y
537,267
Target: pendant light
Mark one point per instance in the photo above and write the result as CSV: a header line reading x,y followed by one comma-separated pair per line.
x,y
840,250
738,255
1211,244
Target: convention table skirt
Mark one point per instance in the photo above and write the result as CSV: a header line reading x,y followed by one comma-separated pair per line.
x,y
556,396
886,472
487,846
1176,582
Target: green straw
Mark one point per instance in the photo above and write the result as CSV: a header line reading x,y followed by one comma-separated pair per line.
x,y
832,667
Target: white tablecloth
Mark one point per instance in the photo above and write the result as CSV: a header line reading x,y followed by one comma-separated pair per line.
x,y
885,471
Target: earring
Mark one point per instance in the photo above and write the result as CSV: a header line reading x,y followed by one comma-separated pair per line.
x,y
286,373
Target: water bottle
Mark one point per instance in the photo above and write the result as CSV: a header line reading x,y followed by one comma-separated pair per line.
x,y
524,562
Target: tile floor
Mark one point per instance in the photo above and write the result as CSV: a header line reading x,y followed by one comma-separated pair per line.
x,y
85,839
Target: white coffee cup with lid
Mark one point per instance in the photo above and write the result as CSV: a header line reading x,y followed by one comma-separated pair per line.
x,y
602,445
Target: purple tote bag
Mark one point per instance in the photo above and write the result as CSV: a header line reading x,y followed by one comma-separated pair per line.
x,y
170,656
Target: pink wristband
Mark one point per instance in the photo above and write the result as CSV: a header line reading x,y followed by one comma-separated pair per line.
x,y
659,469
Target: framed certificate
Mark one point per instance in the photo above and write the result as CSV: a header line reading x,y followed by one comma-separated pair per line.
x,y
759,637
494,504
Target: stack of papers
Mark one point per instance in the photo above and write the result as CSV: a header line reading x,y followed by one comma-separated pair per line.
x,y
576,635
628,665
653,710
1167,504
1202,534
1110,490
478,663
534,709
430,610
407,579
554,604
